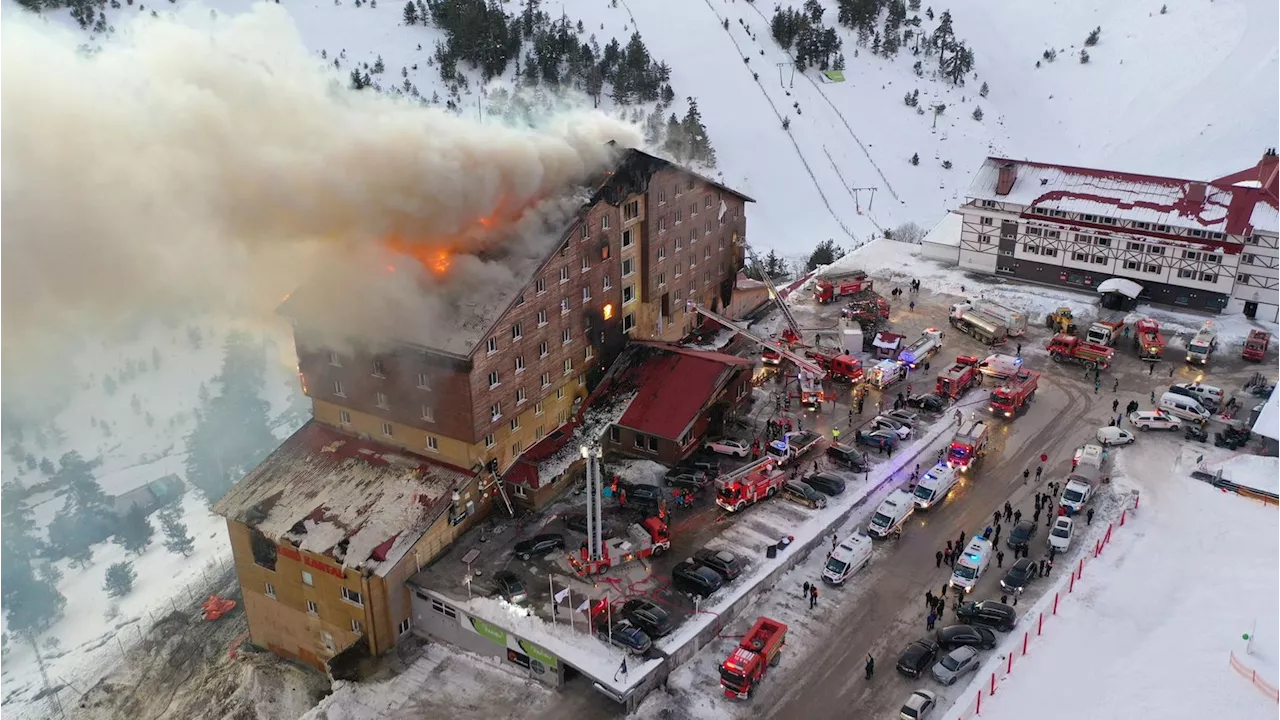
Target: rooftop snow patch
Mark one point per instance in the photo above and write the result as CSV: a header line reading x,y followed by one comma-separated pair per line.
x,y
946,232
1187,204
1268,424
321,488
1128,288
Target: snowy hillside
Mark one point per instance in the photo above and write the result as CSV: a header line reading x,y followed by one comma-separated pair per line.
x,y
1154,96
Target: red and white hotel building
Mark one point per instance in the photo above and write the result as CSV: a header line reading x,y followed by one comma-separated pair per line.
x,y
1202,245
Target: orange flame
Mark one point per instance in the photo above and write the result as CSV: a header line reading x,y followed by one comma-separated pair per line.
x,y
436,254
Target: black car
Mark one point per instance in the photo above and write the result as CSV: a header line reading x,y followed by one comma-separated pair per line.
x,y
929,402
1021,534
726,564
625,636
917,658
646,615
695,579
825,483
686,480
538,545
705,463
509,586
953,636
989,613
642,494
1019,576
848,456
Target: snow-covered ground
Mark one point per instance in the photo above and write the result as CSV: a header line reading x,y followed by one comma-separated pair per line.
x,y
1151,629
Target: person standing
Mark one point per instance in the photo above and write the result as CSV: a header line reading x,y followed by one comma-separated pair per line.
x,y
806,590
1019,350
1017,516
995,518
996,540
1088,517
1026,474
813,596
1039,470
938,558
869,666
960,544
1000,559
1008,510
928,599
929,621
1115,405
1171,369
1116,388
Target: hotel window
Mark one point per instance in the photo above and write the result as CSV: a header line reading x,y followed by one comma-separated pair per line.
x,y
1209,278
586,263
626,239
337,388
1132,265
537,408
662,253
404,626
495,412
540,286
352,596
489,441
628,294
516,332
1033,231
424,382
1243,278
568,365
542,318
628,267
608,282
1153,268
270,591
1099,259
335,359
491,345
1031,249
1049,252
584,231
519,364
312,608
356,627
520,301
564,275
379,369
564,305
679,267
706,229
493,379
631,210
1212,258
516,448
1248,259
1186,273
1052,234
662,196
604,223
428,413
560,393
1079,257
1136,247
693,209
984,220
546,382
1155,250
387,430
344,417
1190,255
381,400
707,204
586,293
590,352
662,279
679,216
662,224
639,441
628,322
514,424
520,396
433,444
542,350
566,336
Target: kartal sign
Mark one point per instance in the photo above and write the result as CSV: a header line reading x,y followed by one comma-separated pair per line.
x,y
521,652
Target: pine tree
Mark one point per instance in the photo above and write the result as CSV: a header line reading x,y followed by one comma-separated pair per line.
x,y
46,467
977,114
119,579
378,66
825,253
176,538
983,90
357,82
1084,56
915,158
134,531
410,13
695,132
1092,39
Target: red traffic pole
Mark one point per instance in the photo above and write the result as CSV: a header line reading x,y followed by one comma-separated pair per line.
x,y
1009,670
1026,637
1097,548
1122,513
1072,587
1080,569
979,710
993,684
1107,539
1136,498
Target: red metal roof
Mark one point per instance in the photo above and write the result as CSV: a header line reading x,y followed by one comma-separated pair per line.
x,y
674,387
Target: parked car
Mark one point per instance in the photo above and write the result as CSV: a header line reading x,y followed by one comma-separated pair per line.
x,y
510,587
640,493
918,656
728,446
1154,420
929,402
919,706
726,564
899,428
906,417
1018,576
800,493
955,665
880,439
848,456
825,483
705,462
1111,436
626,636
989,613
648,616
1060,534
1021,534
686,481
538,545
695,579
954,636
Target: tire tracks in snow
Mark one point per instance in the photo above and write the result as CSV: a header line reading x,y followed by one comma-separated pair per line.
x,y
840,115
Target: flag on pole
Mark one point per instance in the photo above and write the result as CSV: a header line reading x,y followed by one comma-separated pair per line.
x,y
585,604
560,596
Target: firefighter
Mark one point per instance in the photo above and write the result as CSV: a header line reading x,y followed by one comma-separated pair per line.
x,y
755,449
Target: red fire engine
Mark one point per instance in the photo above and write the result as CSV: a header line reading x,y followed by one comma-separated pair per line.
x,y
962,375
1255,347
1007,399
833,287
759,650
1148,340
1069,348
750,485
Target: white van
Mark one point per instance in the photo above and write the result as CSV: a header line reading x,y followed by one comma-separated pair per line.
x,y
935,486
850,556
891,514
1184,407
1076,493
1209,397
1091,455
971,564
1000,366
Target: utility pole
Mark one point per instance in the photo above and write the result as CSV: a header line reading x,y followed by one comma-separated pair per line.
x,y
793,73
857,204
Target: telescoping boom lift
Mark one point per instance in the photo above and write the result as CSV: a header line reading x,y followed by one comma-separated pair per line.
x,y
811,374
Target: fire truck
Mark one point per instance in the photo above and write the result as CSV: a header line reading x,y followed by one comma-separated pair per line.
x,y
915,354
979,325
838,365
968,446
748,486
962,375
1255,346
810,375
830,288
759,650
1015,321
1014,393
1069,348
793,445
1148,340
644,539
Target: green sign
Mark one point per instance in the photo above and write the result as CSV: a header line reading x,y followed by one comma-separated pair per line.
x,y
538,653
492,632
834,75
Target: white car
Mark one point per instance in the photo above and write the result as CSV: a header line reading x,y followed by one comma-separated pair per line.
x,y
1060,535
728,446
1109,436
1154,420
899,428
919,706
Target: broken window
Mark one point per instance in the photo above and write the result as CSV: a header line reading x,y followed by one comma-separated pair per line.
x,y
264,551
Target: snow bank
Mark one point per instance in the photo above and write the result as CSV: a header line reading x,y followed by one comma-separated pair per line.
x,y
1253,471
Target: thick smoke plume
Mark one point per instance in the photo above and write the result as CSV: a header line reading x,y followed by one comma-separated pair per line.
x,y
216,163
